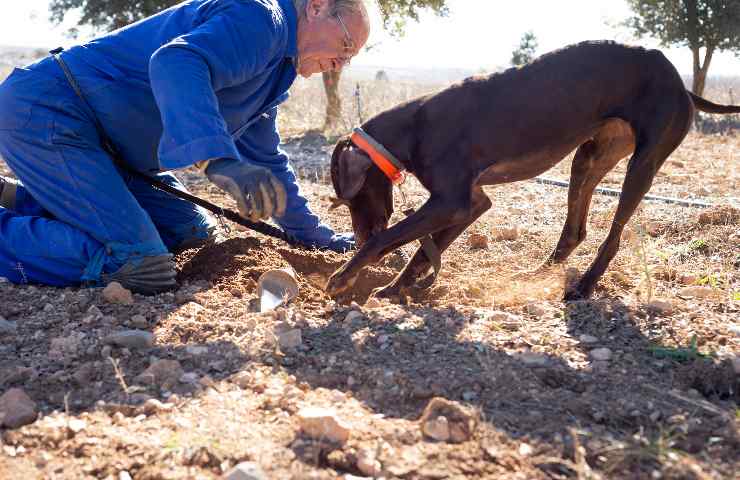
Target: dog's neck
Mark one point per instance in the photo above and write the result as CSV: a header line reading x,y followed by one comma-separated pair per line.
x,y
394,130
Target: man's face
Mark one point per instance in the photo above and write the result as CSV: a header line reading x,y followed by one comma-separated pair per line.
x,y
328,42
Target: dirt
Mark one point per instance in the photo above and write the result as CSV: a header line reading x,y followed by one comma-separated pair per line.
x,y
505,349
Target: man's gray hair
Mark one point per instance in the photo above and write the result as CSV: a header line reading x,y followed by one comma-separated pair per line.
x,y
342,7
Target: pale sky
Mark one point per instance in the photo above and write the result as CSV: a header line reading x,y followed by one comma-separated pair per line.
x,y
477,34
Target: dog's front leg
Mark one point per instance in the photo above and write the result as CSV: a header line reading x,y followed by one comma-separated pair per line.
x,y
436,214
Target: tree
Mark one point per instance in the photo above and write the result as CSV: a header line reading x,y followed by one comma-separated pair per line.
x,y
711,25
525,51
395,14
111,14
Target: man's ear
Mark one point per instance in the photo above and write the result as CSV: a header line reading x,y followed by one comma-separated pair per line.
x,y
353,165
317,9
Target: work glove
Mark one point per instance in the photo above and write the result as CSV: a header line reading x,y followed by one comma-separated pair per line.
x,y
323,237
258,194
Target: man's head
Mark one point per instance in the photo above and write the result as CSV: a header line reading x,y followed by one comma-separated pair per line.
x,y
330,33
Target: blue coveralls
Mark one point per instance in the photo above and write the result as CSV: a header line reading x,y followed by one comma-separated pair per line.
x,y
201,80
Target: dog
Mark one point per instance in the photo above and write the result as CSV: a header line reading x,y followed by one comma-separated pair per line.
x,y
604,99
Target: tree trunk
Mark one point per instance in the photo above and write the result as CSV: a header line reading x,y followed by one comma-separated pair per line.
x,y
701,69
333,102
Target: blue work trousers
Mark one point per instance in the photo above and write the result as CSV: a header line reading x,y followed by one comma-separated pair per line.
x,y
77,215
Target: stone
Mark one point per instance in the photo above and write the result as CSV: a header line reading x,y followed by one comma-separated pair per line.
x,y
697,292
196,350
736,364
532,359
153,406
720,215
246,471
115,293
373,303
353,315
460,422
588,339
165,373
437,429
290,339
134,339
734,329
505,233
189,377
601,354
478,240
16,409
323,424
660,307
687,278
535,309
7,327
368,464
139,321
84,374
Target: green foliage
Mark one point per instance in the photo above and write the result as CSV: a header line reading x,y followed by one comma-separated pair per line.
x,y
694,23
395,13
108,14
112,14
525,52
679,354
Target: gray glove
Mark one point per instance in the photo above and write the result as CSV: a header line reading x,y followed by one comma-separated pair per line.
x,y
258,194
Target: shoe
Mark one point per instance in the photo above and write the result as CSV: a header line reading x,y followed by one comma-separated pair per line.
x,y
8,189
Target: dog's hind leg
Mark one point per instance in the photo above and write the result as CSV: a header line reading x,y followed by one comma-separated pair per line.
x,y
592,161
419,263
665,128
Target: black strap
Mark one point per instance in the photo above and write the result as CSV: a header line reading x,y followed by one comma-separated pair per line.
x,y
107,144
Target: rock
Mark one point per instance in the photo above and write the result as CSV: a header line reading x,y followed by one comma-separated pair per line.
x,y
478,240
437,429
189,377
153,406
734,329
196,350
63,348
505,233
660,307
323,424
601,354
7,327
76,425
353,315
16,409
135,339
535,309
290,339
460,423
84,374
525,449
588,339
165,373
245,471
115,293
139,321
373,303
697,292
687,278
368,464
532,359
720,215
736,364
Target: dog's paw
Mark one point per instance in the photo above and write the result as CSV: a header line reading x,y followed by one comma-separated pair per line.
x,y
339,283
390,292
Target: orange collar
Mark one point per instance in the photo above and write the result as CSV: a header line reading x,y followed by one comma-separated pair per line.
x,y
381,157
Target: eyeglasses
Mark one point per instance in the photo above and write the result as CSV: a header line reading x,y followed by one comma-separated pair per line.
x,y
349,44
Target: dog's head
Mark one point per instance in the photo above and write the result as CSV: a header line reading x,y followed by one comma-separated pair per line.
x,y
363,188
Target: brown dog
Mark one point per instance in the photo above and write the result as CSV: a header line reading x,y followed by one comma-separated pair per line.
x,y
607,100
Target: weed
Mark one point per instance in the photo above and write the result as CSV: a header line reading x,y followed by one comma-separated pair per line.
x,y
679,354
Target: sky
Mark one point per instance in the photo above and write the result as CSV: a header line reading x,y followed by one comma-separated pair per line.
x,y
478,34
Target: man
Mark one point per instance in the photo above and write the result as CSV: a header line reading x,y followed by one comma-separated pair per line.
x,y
196,84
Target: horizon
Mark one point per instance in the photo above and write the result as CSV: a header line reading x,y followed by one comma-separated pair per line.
x,y
485,34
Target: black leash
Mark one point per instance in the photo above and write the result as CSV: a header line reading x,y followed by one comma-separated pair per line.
x,y
107,144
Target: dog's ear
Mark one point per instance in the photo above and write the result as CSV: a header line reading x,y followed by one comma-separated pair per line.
x,y
349,170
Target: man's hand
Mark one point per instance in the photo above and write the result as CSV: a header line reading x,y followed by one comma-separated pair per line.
x,y
258,194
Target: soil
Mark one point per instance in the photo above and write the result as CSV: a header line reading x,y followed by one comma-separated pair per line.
x,y
545,398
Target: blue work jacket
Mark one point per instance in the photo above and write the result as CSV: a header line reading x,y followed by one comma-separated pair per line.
x,y
185,85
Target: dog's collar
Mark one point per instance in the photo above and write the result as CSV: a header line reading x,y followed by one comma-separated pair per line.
x,y
385,160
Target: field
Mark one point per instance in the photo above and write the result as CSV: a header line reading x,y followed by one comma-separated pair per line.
x,y
642,381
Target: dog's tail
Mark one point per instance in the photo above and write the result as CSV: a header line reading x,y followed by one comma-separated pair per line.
x,y
709,107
